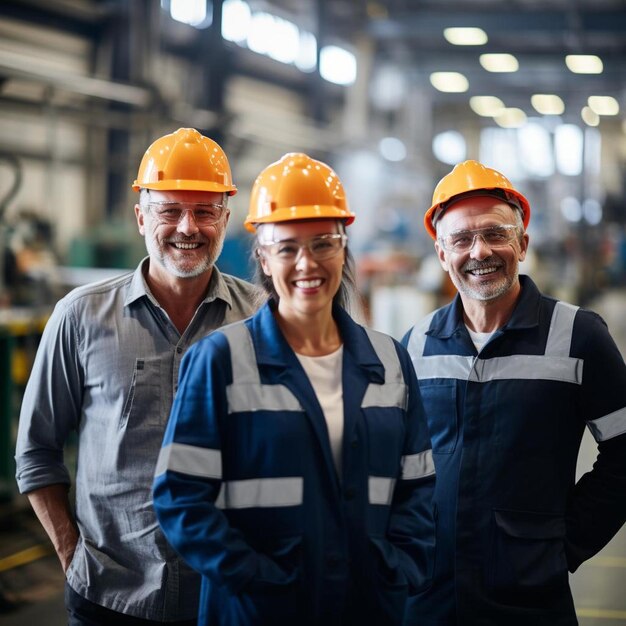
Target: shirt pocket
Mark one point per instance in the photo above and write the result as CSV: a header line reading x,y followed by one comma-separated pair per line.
x,y
143,406
527,553
439,400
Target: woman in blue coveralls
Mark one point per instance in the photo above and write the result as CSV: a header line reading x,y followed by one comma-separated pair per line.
x,y
296,473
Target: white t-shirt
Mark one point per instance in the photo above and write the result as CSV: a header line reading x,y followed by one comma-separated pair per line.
x,y
324,372
479,339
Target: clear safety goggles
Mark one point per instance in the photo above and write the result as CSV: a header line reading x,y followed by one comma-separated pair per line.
x,y
319,247
172,213
493,237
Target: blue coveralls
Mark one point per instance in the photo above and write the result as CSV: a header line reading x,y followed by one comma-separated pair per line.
x,y
506,427
246,488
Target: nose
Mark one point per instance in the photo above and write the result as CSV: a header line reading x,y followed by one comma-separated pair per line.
x,y
305,258
187,224
480,249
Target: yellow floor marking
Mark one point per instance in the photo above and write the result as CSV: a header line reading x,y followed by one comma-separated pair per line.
x,y
608,561
24,557
601,613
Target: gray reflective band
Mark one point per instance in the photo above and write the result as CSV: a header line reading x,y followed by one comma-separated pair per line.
x,y
393,392
247,393
418,465
193,460
261,493
417,339
608,426
561,329
380,490
556,364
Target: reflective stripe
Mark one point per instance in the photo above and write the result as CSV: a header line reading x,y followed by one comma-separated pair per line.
x,y
417,339
528,367
393,392
555,364
192,460
608,426
246,393
261,493
442,366
380,490
418,465
561,330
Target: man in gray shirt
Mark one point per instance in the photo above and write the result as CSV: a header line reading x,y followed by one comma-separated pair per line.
x,y
107,369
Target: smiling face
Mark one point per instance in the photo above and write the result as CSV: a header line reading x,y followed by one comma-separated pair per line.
x,y
304,286
183,250
482,273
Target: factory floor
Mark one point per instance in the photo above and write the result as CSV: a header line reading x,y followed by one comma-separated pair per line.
x,y
31,581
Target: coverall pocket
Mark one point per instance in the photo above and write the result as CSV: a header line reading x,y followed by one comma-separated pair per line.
x,y
391,586
528,553
439,400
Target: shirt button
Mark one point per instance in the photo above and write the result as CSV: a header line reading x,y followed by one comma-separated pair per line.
x,y
179,349
349,493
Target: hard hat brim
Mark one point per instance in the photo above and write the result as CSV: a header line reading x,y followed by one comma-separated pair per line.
x,y
186,185
297,213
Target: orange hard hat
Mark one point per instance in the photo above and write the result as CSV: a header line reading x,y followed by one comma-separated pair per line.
x,y
297,187
470,178
185,160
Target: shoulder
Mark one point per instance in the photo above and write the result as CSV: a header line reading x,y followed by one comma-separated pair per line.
x,y
239,286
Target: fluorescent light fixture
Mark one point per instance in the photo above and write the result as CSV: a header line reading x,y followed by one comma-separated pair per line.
x,y
547,104
487,106
499,62
465,36
590,117
592,211
236,17
285,41
584,63
337,65
603,105
392,149
510,118
192,12
306,61
449,82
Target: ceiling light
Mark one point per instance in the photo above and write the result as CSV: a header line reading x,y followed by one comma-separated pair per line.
x,y
584,63
603,105
337,65
487,106
499,62
590,117
449,82
510,118
465,36
547,104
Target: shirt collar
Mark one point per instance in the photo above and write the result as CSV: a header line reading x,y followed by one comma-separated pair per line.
x,y
138,287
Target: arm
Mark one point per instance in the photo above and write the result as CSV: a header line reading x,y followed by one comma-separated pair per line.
x,y
412,522
189,476
52,507
597,506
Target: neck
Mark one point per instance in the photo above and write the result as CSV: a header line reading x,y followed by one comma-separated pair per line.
x,y
486,316
310,335
179,297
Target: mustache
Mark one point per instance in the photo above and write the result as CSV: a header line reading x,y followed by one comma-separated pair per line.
x,y
491,261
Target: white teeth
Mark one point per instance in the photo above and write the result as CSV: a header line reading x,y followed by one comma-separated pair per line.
x,y
483,271
309,284
185,246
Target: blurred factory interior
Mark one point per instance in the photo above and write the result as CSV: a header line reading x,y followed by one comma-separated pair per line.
x,y
391,93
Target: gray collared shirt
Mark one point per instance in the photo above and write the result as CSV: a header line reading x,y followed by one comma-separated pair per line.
x,y
107,369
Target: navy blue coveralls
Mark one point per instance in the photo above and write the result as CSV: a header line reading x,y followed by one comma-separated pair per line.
x,y
247,491
506,427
